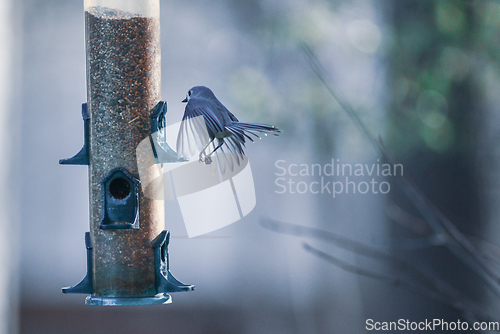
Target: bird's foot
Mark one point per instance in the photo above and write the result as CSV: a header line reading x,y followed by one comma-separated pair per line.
x,y
208,160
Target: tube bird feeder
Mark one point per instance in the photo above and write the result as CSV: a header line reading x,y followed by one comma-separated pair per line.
x,y
127,245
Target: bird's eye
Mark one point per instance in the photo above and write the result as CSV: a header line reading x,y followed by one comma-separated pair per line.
x,y
189,93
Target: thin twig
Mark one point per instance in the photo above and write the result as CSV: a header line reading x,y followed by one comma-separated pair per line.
x,y
350,245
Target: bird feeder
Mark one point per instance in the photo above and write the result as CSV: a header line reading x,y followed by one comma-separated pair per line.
x,y
127,245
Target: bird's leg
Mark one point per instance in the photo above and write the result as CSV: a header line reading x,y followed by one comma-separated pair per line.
x,y
208,160
202,152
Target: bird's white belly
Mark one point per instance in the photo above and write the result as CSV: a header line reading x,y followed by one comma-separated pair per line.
x,y
224,134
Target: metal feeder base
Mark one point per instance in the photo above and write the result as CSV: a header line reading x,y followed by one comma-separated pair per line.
x,y
110,301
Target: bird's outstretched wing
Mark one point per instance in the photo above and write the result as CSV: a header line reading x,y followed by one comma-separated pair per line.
x,y
202,123
199,125
215,130
193,134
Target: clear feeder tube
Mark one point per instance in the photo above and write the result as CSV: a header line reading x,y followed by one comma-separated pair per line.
x,y
123,87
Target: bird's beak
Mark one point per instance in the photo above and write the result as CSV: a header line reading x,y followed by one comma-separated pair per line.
x,y
185,100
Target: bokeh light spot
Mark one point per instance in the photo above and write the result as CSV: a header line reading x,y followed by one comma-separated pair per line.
x,y
432,109
364,35
449,18
439,139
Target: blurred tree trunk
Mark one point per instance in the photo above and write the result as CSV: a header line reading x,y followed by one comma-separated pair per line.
x,y
434,119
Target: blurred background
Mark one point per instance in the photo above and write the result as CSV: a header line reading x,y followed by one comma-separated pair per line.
x,y
422,75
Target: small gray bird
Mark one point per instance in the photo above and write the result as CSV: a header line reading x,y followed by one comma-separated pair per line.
x,y
207,122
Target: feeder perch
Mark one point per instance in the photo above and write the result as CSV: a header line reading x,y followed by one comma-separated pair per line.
x,y
127,245
163,153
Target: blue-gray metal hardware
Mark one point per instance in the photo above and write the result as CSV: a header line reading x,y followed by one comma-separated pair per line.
x,y
162,151
85,285
120,200
82,157
128,301
165,281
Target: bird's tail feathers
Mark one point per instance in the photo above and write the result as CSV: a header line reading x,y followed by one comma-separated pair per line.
x,y
244,130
